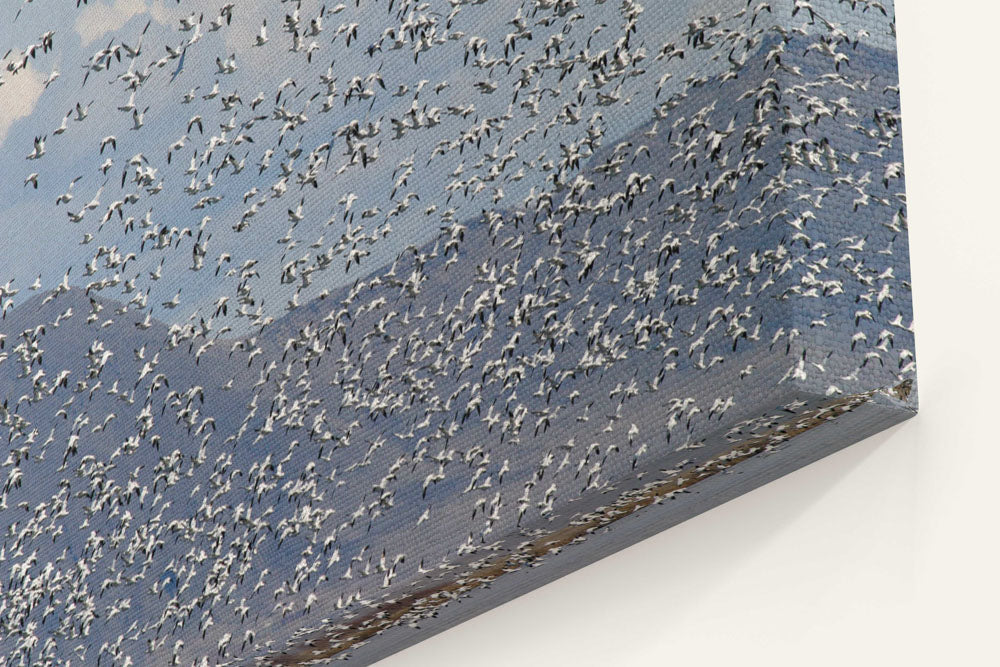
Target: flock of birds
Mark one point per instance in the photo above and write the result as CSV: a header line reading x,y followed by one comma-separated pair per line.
x,y
433,270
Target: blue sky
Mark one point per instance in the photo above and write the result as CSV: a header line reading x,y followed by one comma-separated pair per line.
x,y
41,240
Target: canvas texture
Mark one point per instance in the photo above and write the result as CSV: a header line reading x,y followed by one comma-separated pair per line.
x,y
319,318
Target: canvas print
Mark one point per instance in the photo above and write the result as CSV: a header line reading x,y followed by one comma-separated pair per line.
x,y
326,326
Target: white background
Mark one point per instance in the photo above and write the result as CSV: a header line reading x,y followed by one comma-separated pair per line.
x,y
887,553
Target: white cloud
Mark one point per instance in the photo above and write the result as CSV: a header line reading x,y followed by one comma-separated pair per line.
x,y
98,19
18,97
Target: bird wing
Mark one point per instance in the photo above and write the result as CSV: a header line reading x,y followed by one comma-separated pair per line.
x,y
180,65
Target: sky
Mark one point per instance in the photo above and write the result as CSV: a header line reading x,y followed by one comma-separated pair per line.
x,y
40,239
